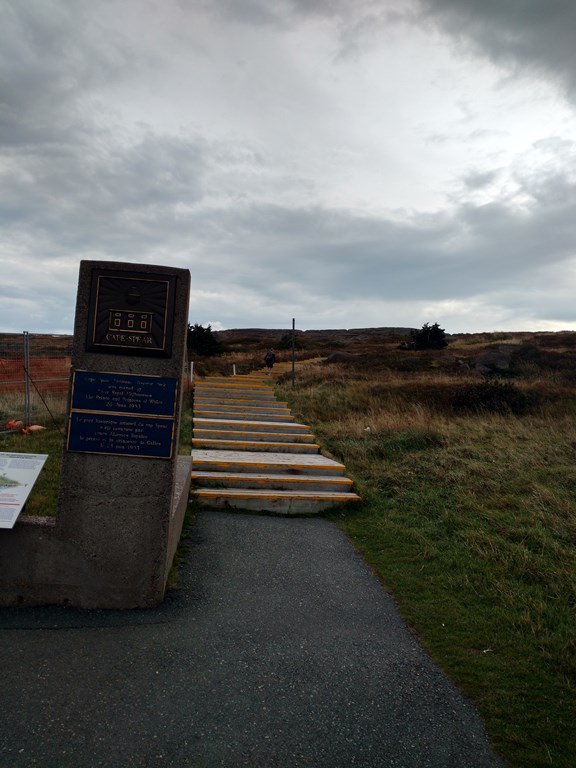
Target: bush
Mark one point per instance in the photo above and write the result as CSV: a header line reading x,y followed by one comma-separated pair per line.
x,y
429,337
494,397
202,341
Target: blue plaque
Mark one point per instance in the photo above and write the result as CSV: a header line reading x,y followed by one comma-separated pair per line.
x,y
122,414
124,393
142,436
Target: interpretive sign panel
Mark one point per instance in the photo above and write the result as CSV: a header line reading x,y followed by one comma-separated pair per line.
x,y
131,313
18,473
122,414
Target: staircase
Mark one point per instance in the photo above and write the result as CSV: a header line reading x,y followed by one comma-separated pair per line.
x,y
248,453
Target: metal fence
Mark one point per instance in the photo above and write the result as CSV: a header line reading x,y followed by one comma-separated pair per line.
x,y
34,378
34,372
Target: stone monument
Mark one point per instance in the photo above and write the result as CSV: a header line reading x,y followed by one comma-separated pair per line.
x,y
123,487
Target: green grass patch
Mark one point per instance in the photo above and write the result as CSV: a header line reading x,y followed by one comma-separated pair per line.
x,y
470,522
43,499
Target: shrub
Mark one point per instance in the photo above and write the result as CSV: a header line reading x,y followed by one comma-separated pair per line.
x,y
429,337
493,397
202,340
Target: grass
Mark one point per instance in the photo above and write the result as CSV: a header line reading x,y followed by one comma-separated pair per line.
x,y
43,498
47,412
469,520
468,514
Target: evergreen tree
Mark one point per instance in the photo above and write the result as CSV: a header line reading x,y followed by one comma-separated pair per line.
x,y
202,341
429,337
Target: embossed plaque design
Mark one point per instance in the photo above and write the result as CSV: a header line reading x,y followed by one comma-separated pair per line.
x,y
131,313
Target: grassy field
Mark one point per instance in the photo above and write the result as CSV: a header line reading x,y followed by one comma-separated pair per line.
x,y
468,479
469,520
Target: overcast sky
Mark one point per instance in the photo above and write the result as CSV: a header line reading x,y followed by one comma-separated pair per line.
x,y
348,163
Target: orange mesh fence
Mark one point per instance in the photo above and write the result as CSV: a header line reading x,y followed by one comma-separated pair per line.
x,y
34,373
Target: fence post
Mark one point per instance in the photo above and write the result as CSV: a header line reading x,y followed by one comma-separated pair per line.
x,y
293,349
27,415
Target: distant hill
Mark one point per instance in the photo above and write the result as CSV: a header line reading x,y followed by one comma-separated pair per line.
x,y
237,338
327,341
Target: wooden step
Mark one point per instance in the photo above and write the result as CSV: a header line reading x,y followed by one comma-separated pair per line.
x,y
271,481
241,415
249,407
278,502
260,382
249,453
279,437
264,392
240,379
230,402
258,462
235,425
254,445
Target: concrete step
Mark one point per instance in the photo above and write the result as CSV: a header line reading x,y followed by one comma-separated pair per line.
x,y
254,445
268,463
278,502
236,425
279,437
271,481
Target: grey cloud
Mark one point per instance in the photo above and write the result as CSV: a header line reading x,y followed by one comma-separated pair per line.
x,y
555,144
338,255
102,195
283,12
532,34
70,184
50,53
478,179
272,256
465,251
465,137
354,21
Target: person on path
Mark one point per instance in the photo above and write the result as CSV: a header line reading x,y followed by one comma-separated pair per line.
x,y
269,360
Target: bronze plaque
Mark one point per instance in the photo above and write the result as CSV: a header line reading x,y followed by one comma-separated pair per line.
x,y
131,313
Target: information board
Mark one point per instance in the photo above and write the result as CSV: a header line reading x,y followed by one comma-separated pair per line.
x,y
122,414
18,473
